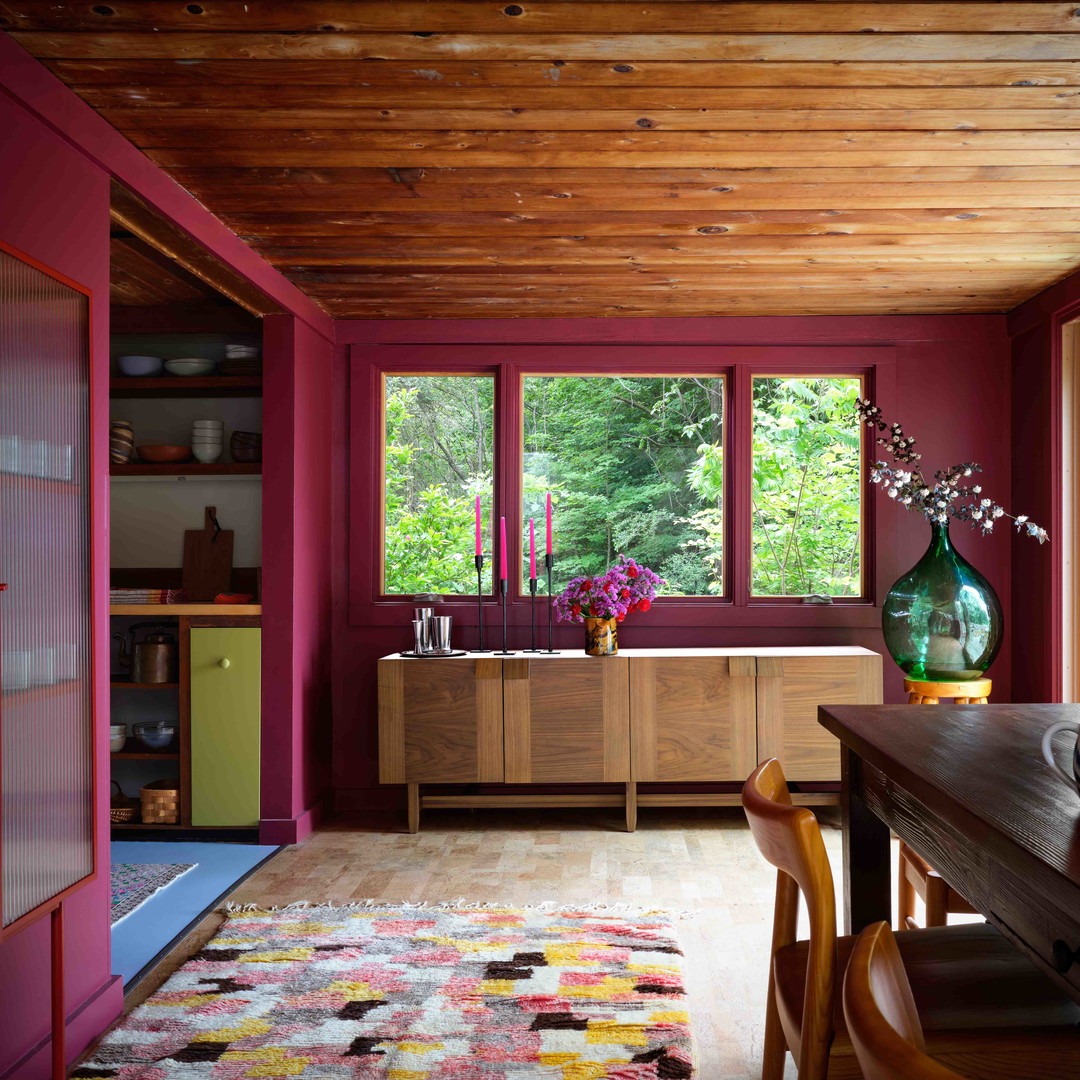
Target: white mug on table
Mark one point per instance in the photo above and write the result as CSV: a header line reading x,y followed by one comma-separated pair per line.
x,y
1048,750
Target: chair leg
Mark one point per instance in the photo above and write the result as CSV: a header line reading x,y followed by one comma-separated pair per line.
x,y
905,898
774,1056
937,897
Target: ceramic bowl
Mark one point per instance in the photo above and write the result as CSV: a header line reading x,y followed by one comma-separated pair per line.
x,y
189,366
206,453
155,734
117,743
164,455
207,425
196,437
139,367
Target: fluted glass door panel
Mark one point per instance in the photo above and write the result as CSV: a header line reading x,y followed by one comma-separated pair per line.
x,y
46,782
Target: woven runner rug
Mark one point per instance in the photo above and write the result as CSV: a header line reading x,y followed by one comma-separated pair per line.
x,y
132,884
415,993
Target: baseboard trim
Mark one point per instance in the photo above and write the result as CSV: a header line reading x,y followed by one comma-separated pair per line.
x,y
295,830
85,1023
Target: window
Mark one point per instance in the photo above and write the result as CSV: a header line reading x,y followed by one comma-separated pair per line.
x,y
635,466
437,457
806,490
739,481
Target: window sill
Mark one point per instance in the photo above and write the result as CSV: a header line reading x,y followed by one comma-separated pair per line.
x,y
857,614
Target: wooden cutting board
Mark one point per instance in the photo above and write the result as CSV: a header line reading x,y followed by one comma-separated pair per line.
x,y
208,554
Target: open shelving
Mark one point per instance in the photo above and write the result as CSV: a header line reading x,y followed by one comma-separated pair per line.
x,y
189,468
188,386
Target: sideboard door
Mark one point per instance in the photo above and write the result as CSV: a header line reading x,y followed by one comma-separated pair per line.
x,y
790,689
440,721
692,718
567,720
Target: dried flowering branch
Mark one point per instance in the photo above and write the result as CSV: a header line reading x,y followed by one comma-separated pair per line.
x,y
625,588
948,497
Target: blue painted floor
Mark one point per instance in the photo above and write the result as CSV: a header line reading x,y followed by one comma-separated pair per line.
x,y
137,939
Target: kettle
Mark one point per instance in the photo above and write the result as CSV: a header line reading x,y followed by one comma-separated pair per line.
x,y
155,659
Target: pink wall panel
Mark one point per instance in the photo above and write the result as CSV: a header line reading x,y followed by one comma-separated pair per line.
x,y
952,390
1036,329
56,209
296,575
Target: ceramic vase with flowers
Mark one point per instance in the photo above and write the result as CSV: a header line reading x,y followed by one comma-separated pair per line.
x,y
604,600
942,620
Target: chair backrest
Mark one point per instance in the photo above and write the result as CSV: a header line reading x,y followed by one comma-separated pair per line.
x,y
880,1012
790,838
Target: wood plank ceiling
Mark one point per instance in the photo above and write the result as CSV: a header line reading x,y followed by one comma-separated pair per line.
x,y
415,158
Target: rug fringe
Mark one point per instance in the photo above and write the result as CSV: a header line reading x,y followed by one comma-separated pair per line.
x,y
546,907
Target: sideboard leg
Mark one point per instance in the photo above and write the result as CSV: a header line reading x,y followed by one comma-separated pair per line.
x,y
631,805
414,808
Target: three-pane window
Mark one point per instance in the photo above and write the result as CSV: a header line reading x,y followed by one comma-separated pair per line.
x,y
641,465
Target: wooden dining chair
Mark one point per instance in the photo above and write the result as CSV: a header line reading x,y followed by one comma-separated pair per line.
x,y
976,993
880,1013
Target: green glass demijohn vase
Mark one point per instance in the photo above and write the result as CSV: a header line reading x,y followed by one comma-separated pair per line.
x,y
942,620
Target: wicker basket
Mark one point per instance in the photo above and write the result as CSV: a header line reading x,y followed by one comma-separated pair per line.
x,y
121,808
161,803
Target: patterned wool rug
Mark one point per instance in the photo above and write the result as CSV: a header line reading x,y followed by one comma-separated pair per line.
x,y
415,993
132,884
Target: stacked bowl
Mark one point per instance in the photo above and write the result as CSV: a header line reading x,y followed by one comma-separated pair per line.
x,y
246,446
121,441
241,360
207,440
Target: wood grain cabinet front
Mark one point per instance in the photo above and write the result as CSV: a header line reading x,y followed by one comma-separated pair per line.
x,y
440,721
566,721
789,691
692,718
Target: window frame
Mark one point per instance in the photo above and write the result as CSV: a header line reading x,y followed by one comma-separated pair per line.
x,y
866,446
874,364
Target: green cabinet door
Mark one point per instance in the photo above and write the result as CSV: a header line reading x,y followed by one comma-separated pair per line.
x,y
225,722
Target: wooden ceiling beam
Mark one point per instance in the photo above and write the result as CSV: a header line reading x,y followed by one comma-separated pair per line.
x,y
537,17
422,46
453,75
361,103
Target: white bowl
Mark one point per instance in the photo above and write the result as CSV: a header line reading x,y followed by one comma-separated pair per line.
x,y
242,352
217,440
117,743
206,455
207,425
139,366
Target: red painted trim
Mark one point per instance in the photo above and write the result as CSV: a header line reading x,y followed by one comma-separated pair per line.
x,y
293,830
368,606
54,903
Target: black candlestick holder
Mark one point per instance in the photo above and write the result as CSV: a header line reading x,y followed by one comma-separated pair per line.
x,y
503,588
479,561
549,562
532,616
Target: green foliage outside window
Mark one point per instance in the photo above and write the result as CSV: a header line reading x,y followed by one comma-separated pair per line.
x,y
635,466
806,487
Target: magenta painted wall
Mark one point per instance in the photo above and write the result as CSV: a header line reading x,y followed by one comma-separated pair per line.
x,y
56,209
1036,329
938,360
297,465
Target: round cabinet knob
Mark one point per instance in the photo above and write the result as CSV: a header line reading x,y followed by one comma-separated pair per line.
x,y
224,662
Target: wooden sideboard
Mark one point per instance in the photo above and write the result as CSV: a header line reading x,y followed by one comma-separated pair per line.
x,y
666,716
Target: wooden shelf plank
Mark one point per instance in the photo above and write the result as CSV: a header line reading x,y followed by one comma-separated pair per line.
x,y
179,387
150,755
185,609
127,685
231,468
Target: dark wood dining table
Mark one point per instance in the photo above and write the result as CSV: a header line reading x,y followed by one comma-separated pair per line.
x,y
966,787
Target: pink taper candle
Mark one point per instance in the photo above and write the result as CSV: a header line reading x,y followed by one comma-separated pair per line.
x,y
532,548
479,540
550,549
502,549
